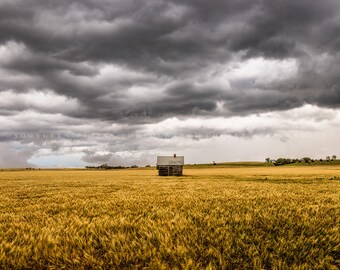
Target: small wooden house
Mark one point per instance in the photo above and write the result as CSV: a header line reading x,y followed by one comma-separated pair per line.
x,y
170,165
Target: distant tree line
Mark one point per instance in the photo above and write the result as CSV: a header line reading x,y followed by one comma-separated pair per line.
x,y
285,161
107,167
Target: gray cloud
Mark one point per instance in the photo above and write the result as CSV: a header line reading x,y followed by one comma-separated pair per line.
x,y
173,40
92,157
67,65
13,157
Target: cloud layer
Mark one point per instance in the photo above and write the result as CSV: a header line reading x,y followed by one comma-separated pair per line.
x,y
122,67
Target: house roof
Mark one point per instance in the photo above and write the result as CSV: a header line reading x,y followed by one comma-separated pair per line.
x,y
170,160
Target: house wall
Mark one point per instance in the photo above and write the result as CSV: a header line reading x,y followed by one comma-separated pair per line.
x,y
170,170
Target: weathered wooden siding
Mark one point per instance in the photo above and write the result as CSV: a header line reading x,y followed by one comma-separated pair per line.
x,y
176,170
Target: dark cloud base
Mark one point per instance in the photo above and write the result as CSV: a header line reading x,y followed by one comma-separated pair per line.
x,y
175,41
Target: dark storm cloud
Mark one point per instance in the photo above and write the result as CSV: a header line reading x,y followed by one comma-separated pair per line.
x,y
178,99
62,46
139,31
261,101
40,64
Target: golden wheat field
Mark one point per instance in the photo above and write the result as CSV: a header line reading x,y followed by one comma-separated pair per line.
x,y
211,218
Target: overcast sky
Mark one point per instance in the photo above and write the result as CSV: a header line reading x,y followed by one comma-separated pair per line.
x,y
120,81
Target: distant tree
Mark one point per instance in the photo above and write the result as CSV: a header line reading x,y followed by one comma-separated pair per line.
x,y
104,166
268,159
334,157
306,159
214,162
328,158
282,161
